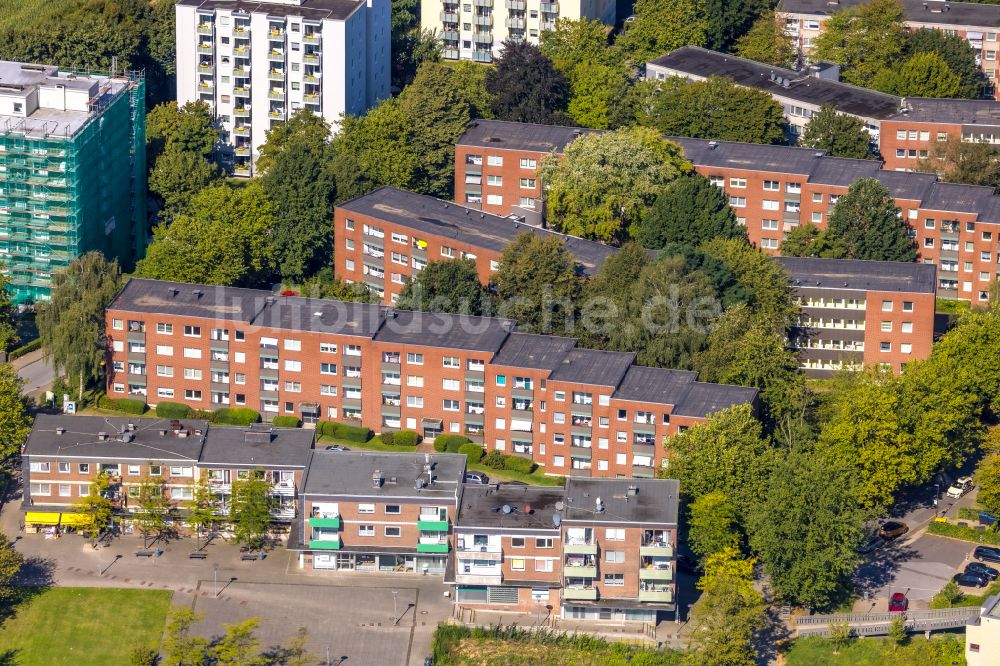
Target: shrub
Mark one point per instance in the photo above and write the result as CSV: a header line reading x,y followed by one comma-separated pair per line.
x,y
472,451
494,459
143,656
238,416
519,464
18,352
172,410
126,405
202,414
449,443
343,431
387,437
286,421
406,438
964,533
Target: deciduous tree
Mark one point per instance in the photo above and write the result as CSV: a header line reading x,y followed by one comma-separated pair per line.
x,y
956,52
177,176
15,424
863,38
526,87
153,507
690,210
713,525
201,509
575,41
839,134
189,129
866,224
10,564
806,240
661,27
597,90
239,646
375,149
445,286
96,505
958,161
767,42
250,510
923,75
537,284
181,647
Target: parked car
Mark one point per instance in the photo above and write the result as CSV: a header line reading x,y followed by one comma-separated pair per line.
x,y
898,602
892,529
476,478
986,571
986,554
970,580
870,545
960,487
337,447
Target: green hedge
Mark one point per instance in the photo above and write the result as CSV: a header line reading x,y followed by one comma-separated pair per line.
x,y
286,421
519,464
449,443
18,352
173,410
350,433
472,451
238,416
494,459
126,405
986,536
406,438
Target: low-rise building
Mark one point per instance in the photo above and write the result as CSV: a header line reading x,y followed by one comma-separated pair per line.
x,y
982,638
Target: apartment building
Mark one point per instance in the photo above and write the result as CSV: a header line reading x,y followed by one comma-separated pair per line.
x,y
388,235
72,171
840,301
575,411
257,64
911,134
976,23
497,162
379,512
773,189
982,637
477,30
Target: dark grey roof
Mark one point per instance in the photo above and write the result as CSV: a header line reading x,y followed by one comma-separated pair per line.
x,y
349,474
842,171
655,385
336,10
81,438
437,329
527,350
914,11
520,136
899,276
189,300
906,185
751,156
482,506
696,61
703,400
590,366
655,502
466,225
257,446
969,112
953,197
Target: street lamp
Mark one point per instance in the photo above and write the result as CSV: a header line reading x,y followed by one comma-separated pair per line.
x,y
394,594
215,580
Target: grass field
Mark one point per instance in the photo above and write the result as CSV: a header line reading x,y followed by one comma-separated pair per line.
x,y
83,626
941,650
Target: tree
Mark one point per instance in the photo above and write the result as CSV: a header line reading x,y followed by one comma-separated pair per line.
x,y
296,651
897,631
604,183
968,354
958,161
469,78
188,129
606,293
239,646
728,454
867,224
201,509
526,87
224,239
537,285
807,240
760,276
96,505
840,635
574,42
177,176
863,39
923,75
713,109
250,510
445,286
410,45
949,595
180,646
730,20
712,525
661,27
71,324
153,506
327,285
728,615
8,328
10,564
299,181
690,210
807,528
596,93
15,423
839,134
767,42
957,54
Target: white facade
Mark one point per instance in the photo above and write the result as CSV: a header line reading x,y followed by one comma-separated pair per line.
x,y
258,68
476,29
982,638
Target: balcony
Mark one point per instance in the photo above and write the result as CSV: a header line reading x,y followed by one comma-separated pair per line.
x,y
241,130
550,7
474,550
432,547
660,549
328,542
206,87
571,571
515,23
580,548
652,573
205,29
206,68
432,524
661,595
242,171
275,56
242,112
276,95
241,71
311,58
485,20
205,49
516,5
311,39
483,576
482,38
276,75
579,593
242,50
449,17
311,98
331,522
277,114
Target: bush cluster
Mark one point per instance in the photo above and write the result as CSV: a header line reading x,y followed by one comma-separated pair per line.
x,y
472,451
449,443
237,416
344,431
497,460
126,405
286,421
173,410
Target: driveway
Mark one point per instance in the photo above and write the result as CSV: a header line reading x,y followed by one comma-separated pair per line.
x,y
919,568
36,372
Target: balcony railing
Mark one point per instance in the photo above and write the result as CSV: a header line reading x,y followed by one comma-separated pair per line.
x,y
311,39
325,542
466,547
580,547
580,593
653,573
331,521
656,549
205,29
580,571
665,595
432,524
205,49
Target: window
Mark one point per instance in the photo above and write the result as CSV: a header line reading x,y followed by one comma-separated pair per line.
x,y
133,470
393,531
293,387
543,565
366,508
738,182
769,225
771,204
414,359
293,366
886,306
192,331
517,563
414,401
327,368
527,183
614,580
887,327
327,389
738,202
118,324
165,329
39,467
907,306
543,543
494,160
41,489
906,348
560,396
164,350
494,180
817,197
327,348
718,181
164,371
772,185
85,468
450,405
163,392
366,530
614,534
192,373
400,238
414,380
451,384
907,327
614,556
191,394
528,163
494,199
65,489
191,352
64,468
769,243
885,346
517,542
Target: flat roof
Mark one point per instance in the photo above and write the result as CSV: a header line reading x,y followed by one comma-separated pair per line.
x,y
335,10
914,11
955,197
189,300
257,446
530,507
898,276
349,474
648,501
697,61
751,156
520,136
447,219
438,329
594,367
529,350
704,399
111,438
969,113
656,385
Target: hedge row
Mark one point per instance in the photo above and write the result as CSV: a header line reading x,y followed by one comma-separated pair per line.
x,y
173,410
286,421
449,443
18,352
344,431
964,533
400,438
472,451
238,416
497,460
126,405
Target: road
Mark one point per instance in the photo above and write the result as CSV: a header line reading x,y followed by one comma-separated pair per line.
x,y
36,372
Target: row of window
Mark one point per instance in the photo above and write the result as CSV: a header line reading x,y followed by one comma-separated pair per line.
x,y
83,490
112,468
497,160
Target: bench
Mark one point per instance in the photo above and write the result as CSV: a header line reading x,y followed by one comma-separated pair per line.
x,y
197,555
249,557
143,553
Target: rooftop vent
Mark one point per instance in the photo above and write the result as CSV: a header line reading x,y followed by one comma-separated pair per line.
x,y
632,491
391,481
418,483
599,506
130,427
60,430
712,145
173,291
127,437
506,508
259,433
163,433
198,293
377,479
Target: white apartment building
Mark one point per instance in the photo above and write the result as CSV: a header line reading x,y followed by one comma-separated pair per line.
x,y
256,64
982,637
476,29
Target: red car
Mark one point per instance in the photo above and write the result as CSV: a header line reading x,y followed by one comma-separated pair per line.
x,y
898,603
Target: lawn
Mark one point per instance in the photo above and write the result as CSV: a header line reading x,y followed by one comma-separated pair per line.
x,y
83,626
373,444
941,650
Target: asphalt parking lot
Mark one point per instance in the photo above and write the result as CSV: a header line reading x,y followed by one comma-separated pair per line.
x,y
919,568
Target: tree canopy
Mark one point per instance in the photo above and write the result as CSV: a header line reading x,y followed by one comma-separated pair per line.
x,y
923,75
956,52
690,210
958,161
537,284
839,134
451,285
526,87
15,423
863,39
767,42
867,224
661,27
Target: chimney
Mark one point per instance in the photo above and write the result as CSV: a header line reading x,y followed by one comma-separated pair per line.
x,y
712,145
377,479
130,427
102,436
600,506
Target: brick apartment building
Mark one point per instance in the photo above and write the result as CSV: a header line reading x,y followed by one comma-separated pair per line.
x,y
861,313
911,134
497,162
387,235
574,411
599,549
976,23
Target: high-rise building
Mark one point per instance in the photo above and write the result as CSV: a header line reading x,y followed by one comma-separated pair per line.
x,y
476,30
72,171
256,65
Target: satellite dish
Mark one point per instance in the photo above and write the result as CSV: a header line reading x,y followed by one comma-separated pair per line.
x,y
506,508
560,506
556,519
